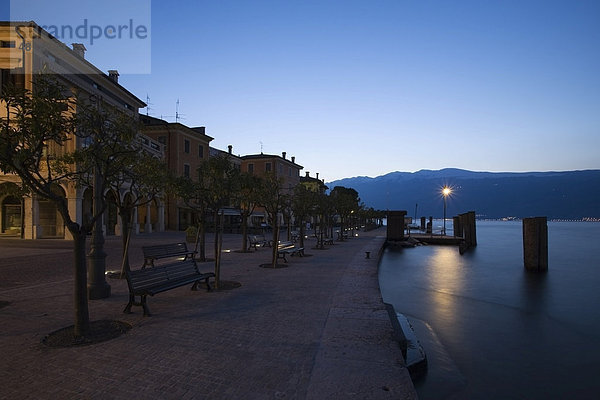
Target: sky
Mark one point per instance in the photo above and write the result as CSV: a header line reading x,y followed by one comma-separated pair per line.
x,y
364,88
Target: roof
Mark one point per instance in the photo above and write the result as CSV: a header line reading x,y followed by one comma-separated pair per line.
x,y
66,48
270,156
147,120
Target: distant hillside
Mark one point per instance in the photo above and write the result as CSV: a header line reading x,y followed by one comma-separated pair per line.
x,y
567,195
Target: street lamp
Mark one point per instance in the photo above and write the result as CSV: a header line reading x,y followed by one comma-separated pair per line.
x,y
446,191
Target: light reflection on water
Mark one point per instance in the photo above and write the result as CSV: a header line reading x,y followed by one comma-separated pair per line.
x,y
511,333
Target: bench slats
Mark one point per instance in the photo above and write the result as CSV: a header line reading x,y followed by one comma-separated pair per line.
x,y
284,248
159,251
155,279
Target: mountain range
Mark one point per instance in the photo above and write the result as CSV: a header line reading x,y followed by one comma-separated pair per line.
x,y
556,195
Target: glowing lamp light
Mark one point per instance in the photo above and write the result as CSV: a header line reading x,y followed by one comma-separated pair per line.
x,y
446,191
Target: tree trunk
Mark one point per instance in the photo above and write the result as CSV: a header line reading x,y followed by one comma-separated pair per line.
x,y
216,248
244,232
126,216
202,241
218,255
321,226
275,241
301,232
82,316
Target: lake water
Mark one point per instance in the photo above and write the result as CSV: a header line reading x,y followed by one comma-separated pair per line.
x,y
492,330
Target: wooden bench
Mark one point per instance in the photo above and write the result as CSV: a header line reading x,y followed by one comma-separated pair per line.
x,y
285,248
325,241
341,236
258,240
169,250
150,281
295,236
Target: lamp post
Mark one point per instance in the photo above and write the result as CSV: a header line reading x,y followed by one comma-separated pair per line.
x,y
445,192
97,286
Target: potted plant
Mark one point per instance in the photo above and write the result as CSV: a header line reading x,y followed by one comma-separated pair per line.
x,y
190,234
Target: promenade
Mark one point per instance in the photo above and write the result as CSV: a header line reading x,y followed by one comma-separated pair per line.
x,y
316,329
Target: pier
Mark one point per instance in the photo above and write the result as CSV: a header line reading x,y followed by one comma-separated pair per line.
x,y
465,234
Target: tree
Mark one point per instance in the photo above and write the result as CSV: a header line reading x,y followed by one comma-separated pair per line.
x,y
247,198
346,202
272,199
195,196
144,178
52,138
324,210
303,206
218,179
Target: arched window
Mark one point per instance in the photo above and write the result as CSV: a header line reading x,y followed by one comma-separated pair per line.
x,y
11,215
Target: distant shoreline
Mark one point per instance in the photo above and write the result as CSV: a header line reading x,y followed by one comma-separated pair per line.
x,y
509,219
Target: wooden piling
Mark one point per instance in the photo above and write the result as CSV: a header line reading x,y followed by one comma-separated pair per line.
x,y
395,225
469,230
535,244
457,227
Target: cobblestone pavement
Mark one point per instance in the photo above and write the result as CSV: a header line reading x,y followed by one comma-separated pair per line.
x,y
316,329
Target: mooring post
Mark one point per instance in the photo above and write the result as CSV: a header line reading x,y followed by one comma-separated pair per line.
x,y
456,226
472,228
423,223
395,225
535,244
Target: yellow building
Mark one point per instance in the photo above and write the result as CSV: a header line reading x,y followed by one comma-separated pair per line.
x,y
280,166
26,49
313,184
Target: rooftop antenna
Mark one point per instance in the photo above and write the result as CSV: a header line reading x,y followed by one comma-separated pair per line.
x,y
148,105
178,116
261,147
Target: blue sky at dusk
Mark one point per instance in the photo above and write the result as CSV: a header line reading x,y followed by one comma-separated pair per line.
x,y
369,87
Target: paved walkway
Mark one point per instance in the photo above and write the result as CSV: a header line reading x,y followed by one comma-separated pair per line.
x,y
314,330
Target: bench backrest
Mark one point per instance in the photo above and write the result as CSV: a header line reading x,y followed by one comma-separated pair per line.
x,y
148,277
257,238
285,245
165,250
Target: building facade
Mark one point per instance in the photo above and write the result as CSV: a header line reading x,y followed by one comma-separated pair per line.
x,y
287,170
26,50
185,150
313,184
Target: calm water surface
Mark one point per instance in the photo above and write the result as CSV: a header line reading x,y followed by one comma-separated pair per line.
x,y
492,330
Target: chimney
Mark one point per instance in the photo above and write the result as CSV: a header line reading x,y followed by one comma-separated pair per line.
x,y
307,174
293,159
317,175
230,147
113,74
283,153
79,49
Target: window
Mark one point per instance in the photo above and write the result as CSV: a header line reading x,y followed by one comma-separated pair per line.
x,y
186,146
268,167
186,170
11,77
200,151
7,44
289,171
250,168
